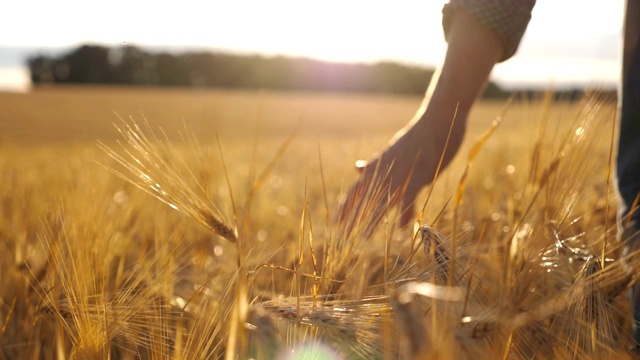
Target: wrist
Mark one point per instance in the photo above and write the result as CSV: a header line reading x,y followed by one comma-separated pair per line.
x,y
443,126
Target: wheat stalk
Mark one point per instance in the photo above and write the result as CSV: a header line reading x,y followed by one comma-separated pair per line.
x,y
153,167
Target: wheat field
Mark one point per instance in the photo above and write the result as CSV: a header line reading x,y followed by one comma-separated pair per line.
x,y
185,224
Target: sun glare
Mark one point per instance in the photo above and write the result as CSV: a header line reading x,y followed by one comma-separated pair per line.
x,y
407,31
331,30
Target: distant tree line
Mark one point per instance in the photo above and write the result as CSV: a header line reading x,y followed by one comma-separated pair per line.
x,y
90,64
130,65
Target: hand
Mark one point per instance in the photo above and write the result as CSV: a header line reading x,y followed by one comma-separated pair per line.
x,y
411,160
395,176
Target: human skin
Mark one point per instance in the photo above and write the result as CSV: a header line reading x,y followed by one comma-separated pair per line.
x,y
410,160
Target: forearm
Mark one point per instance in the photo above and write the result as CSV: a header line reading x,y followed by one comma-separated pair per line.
x,y
411,160
472,52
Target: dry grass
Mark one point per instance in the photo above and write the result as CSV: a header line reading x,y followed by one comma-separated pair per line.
x,y
518,260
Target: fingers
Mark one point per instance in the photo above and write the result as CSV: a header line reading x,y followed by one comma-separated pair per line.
x,y
368,199
348,205
407,209
385,181
357,192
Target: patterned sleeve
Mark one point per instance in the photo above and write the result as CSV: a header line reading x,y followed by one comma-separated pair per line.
x,y
508,18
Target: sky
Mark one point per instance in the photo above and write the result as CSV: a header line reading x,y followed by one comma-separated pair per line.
x,y
568,42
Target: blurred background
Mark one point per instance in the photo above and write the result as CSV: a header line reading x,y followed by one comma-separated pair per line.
x,y
370,46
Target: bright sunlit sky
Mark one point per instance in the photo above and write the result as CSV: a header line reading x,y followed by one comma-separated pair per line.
x,y
568,42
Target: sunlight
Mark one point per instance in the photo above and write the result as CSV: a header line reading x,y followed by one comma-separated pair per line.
x,y
406,31
14,79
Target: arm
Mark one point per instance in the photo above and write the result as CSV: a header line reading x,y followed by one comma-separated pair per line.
x,y
412,156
